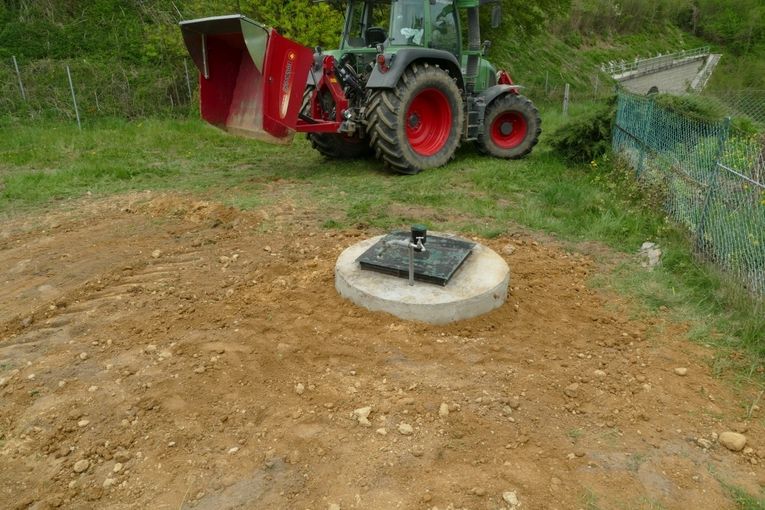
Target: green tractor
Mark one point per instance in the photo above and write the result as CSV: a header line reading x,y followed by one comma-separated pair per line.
x,y
403,85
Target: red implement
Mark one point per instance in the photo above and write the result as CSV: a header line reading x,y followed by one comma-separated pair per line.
x,y
251,78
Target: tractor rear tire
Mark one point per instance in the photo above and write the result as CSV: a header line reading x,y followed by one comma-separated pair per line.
x,y
417,124
335,145
511,127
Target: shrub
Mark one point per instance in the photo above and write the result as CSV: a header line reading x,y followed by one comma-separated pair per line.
x,y
588,137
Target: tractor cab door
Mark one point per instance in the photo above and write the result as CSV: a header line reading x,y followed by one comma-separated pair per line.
x,y
428,23
409,23
445,33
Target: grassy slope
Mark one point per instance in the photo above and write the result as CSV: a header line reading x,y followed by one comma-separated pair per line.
x,y
576,60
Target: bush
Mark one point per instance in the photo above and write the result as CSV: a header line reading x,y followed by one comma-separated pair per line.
x,y
588,137
702,108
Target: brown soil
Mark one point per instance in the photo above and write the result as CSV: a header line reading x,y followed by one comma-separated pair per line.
x,y
169,336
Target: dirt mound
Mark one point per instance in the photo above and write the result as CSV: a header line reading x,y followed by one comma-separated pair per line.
x,y
165,353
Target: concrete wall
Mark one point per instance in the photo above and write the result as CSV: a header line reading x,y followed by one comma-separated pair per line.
x,y
675,80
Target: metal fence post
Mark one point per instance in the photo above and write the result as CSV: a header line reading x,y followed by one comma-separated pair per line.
x,y
18,75
647,126
566,99
712,186
188,79
74,98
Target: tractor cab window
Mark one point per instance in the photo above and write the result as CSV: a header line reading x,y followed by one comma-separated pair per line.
x,y
407,22
354,25
444,23
365,24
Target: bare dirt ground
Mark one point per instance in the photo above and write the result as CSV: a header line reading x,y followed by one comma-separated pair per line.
x,y
159,352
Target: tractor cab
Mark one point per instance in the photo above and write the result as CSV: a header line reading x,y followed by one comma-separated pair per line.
x,y
400,23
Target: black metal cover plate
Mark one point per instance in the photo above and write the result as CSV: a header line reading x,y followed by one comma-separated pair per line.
x,y
437,264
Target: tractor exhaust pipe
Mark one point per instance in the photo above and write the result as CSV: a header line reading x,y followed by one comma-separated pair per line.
x,y
474,45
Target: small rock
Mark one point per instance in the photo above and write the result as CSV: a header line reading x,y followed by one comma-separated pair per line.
x,y
233,450
681,371
704,443
299,388
334,506
514,403
117,467
92,389
149,349
382,432
83,356
511,498
81,466
405,429
509,249
572,390
733,441
600,374
156,254
443,410
83,423
109,482
362,414
741,427
199,370
651,254
3,381
478,491
122,456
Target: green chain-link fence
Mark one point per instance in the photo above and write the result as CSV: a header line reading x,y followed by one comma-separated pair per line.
x,y
711,175
749,103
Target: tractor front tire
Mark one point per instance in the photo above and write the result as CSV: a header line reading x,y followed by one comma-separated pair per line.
x,y
417,124
511,127
335,145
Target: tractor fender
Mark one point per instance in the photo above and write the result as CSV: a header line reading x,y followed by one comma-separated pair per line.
x,y
404,57
492,93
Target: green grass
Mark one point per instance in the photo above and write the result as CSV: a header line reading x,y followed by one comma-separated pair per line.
x,y
744,500
45,163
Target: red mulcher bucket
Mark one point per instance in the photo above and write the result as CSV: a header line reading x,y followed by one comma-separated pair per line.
x,y
251,78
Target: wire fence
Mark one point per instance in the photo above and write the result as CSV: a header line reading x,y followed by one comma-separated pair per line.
x,y
749,103
711,176
41,89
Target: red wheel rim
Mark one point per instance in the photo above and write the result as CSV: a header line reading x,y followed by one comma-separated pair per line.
x,y
508,130
429,122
